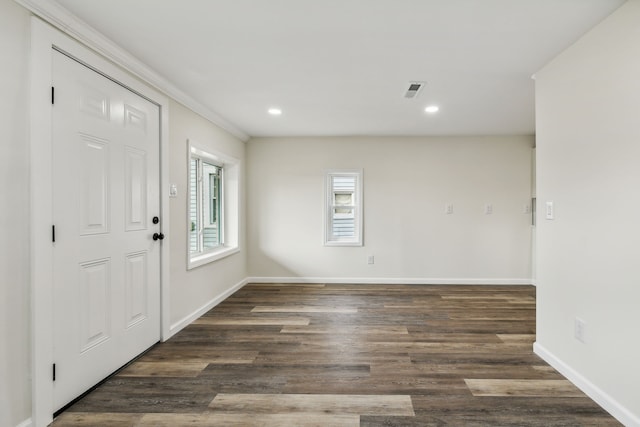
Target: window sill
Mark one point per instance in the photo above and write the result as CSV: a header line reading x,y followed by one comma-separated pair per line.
x,y
214,255
342,243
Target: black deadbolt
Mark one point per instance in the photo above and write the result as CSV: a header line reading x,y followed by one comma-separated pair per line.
x,y
156,220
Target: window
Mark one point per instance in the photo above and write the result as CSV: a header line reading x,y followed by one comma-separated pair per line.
x,y
343,208
212,206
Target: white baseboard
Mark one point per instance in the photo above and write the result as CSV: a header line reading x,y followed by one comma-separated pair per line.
x,y
612,406
185,321
389,280
26,423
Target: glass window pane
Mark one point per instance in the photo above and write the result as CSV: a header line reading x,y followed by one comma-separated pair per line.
x,y
213,200
211,206
343,199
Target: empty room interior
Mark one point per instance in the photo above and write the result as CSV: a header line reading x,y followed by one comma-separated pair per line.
x,y
306,213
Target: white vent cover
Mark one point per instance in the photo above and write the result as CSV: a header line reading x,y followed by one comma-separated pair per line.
x,y
414,89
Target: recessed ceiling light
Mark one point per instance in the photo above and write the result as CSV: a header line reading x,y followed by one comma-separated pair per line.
x,y
432,109
274,111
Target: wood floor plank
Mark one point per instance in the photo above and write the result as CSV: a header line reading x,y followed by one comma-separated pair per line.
x,y
253,321
179,352
390,405
302,309
491,298
458,370
317,357
91,419
443,347
520,387
163,369
346,330
381,384
527,339
248,420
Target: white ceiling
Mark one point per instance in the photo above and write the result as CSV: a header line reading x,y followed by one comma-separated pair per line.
x,y
341,67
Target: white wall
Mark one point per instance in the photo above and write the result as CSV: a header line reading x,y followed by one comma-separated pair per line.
x,y
15,384
407,183
193,289
588,258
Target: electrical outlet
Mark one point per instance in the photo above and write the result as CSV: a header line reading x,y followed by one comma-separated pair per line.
x,y
527,209
370,259
488,209
580,330
448,209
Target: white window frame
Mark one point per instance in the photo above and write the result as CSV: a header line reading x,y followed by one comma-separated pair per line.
x,y
330,238
229,205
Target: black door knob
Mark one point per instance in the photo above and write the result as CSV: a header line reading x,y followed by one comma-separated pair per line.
x,y
158,236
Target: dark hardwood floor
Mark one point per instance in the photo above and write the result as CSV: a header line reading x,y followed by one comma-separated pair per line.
x,y
347,355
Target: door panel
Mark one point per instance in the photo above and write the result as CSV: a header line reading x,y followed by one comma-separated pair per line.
x,y
94,288
106,279
94,181
136,288
135,187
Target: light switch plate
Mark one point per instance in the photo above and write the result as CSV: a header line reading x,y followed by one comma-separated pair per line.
x,y
549,210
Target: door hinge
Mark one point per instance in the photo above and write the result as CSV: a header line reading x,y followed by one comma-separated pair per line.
x,y
53,233
53,95
54,371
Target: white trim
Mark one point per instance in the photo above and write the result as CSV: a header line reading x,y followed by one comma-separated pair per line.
x,y
622,414
211,256
165,254
185,321
25,423
43,38
41,219
389,280
70,24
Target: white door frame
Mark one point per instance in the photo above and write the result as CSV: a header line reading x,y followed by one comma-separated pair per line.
x,y
43,39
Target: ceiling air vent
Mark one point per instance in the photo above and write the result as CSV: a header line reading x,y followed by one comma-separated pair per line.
x,y
414,89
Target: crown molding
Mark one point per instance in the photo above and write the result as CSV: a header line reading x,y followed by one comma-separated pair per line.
x,y
56,15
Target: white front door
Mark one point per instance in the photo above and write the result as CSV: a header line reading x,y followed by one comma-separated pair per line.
x,y
106,278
